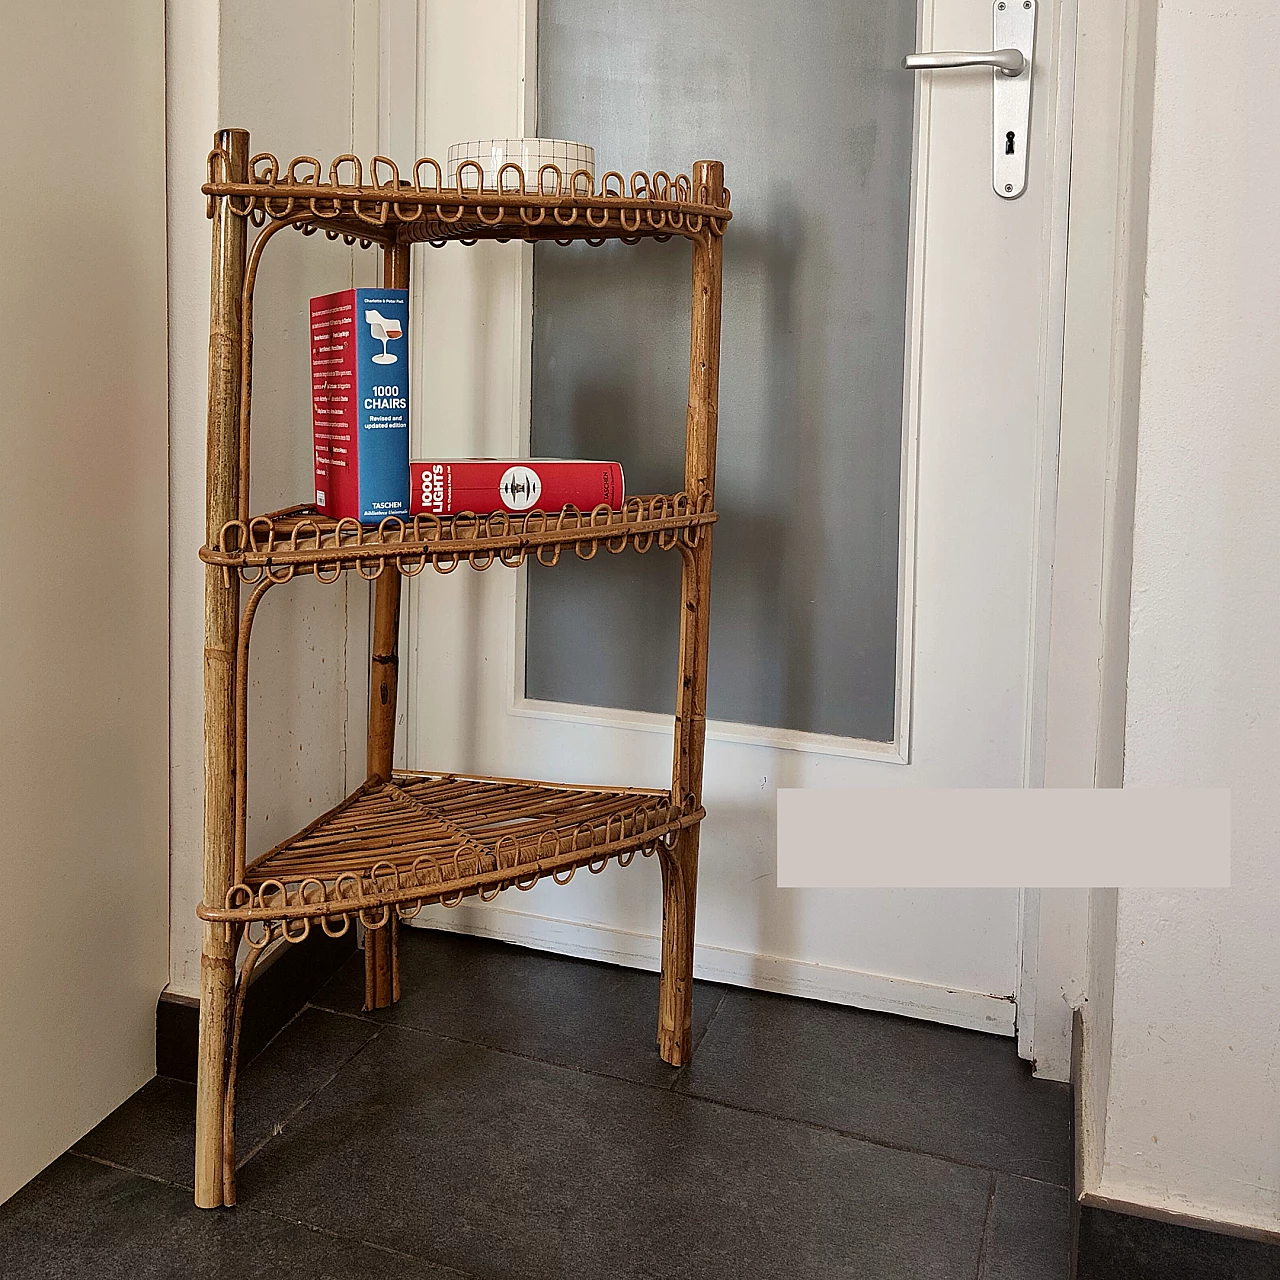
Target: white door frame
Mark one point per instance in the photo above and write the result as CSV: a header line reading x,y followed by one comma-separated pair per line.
x,y
1088,651
1051,960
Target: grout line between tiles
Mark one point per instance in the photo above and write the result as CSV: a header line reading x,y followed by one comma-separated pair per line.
x,y
346,1013
1030,1177
869,1139
282,1125
851,1135
124,1168
986,1227
715,1013
680,1074
280,1217
508,1053
369,1244
678,1085
244,1066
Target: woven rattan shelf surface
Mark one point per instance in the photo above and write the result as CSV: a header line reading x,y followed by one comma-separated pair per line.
x,y
550,205
298,540
430,837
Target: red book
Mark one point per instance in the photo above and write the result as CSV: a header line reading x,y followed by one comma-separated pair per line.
x,y
360,403
513,484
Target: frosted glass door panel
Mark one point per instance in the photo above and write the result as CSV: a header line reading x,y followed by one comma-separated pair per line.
x,y
806,105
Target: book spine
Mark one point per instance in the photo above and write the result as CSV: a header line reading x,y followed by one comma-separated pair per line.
x,y
333,404
382,383
515,484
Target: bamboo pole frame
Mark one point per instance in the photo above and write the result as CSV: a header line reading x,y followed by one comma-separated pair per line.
x,y
680,865
221,628
381,946
407,838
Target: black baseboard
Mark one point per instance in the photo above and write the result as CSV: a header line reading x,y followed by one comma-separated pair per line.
x,y
1111,1245
276,993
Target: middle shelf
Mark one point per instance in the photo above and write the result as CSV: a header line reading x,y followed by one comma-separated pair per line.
x,y
280,544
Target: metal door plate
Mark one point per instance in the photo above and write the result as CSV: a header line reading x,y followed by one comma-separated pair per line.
x,y
1013,26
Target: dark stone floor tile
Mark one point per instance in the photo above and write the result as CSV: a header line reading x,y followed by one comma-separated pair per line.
x,y
510,1168
959,1094
1117,1246
1029,1231
81,1219
154,1131
594,1017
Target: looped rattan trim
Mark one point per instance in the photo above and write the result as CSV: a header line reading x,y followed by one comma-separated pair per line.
x,y
299,540
420,208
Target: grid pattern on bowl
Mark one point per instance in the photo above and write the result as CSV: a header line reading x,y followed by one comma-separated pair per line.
x,y
529,153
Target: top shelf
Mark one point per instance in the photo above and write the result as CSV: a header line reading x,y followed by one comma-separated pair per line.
x,y
390,209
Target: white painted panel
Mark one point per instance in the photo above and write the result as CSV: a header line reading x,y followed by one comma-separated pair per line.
x,y
83,853
302,78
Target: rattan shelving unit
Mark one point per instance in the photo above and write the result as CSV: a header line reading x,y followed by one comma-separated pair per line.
x,y
405,839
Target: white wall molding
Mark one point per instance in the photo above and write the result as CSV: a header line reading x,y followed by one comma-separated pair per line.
x,y
1098,438
975,1010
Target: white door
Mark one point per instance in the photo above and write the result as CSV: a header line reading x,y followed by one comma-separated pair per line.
x,y
973,359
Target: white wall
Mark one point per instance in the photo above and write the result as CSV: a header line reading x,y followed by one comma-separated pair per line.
x,y
1193,1111
1097,448
83,594
301,76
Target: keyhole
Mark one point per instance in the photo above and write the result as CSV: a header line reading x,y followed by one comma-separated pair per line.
x,y
1008,143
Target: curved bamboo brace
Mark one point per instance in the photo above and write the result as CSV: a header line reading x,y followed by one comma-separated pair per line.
x,y
242,719
246,344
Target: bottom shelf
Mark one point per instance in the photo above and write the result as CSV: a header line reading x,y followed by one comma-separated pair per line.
x,y
431,837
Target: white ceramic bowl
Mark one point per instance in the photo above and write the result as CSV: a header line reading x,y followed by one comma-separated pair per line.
x,y
531,154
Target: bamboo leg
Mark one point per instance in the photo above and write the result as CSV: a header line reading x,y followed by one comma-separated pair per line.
x,y
381,946
217,987
221,619
233,1064
675,994
382,965
680,864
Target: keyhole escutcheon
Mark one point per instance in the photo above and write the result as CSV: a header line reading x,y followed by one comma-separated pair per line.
x,y
1008,143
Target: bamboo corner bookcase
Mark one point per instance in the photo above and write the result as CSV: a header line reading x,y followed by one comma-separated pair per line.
x,y
407,838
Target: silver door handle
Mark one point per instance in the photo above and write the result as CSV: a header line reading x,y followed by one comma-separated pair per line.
x,y
1009,62
1013,35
